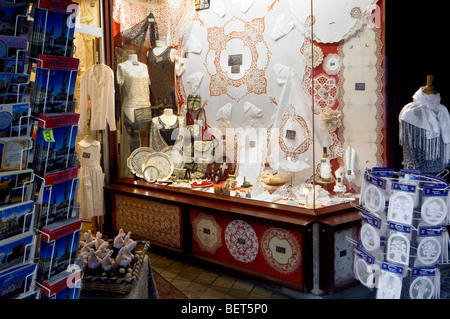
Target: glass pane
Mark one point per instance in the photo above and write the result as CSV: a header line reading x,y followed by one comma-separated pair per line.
x,y
291,93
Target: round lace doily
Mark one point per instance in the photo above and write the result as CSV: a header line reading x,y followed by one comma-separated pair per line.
x,y
370,238
398,249
374,199
241,241
421,288
207,233
401,207
429,250
332,64
389,286
434,211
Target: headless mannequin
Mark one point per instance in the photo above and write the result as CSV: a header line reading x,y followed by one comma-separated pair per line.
x,y
168,117
140,129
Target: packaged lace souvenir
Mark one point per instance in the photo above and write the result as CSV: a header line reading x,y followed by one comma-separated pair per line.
x,y
424,283
390,282
434,208
375,190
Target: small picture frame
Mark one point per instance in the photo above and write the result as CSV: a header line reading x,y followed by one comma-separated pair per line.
x,y
290,134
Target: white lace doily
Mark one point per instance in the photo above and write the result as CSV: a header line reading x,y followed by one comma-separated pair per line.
x,y
390,286
241,241
429,250
398,249
374,199
332,64
421,288
434,211
401,207
370,238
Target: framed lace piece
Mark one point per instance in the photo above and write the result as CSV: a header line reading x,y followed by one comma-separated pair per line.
x,y
241,241
398,249
421,288
370,238
207,233
281,250
255,58
303,138
390,286
401,207
374,199
151,173
429,250
434,211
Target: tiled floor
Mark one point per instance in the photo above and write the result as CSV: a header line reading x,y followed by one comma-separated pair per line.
x,y
198,281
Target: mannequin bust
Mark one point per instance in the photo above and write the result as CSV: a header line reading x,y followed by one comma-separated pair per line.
x,y
179,63
168,117
428,89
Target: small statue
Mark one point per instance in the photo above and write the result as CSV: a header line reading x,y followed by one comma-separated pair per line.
x,y
108,262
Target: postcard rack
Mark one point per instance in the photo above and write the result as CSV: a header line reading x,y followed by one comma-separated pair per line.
x,y
19,282
45,204
43,89
49,239
71,280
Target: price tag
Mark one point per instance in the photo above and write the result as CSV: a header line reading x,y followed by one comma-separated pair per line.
x,y
48,135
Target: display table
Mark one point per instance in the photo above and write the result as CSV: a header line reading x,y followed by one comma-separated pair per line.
x,y
271,241
144,288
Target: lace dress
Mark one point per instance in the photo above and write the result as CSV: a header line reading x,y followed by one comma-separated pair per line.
x,y
92,180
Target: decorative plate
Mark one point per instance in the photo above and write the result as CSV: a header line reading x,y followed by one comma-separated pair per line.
x,y
421,288
434,211
163,162
136,159
389,286
429,250
151,173
401,207
374,199
398,249
370,238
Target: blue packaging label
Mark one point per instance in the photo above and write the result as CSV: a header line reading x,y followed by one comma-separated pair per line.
x,y
365,256
371,219
429,191
377,181
393,268
425,231
404,187
400,227
423,271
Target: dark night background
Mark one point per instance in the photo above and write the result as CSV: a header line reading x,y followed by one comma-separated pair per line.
x,y
416,35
